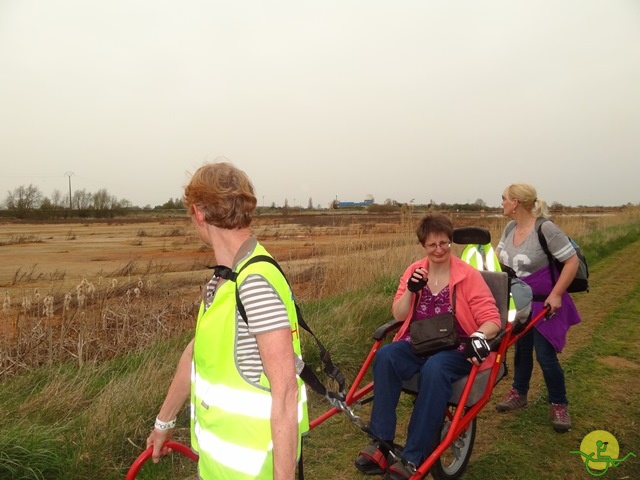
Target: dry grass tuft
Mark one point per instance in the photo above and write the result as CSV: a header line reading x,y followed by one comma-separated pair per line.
x,y
138,303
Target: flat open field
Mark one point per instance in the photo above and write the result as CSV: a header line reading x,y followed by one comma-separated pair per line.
x,y
89,289
57,256
143,279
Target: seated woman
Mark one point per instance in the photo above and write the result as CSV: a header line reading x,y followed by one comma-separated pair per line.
x,y
427,289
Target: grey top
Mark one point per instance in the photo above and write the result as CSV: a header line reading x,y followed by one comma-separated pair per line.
x,y
529,257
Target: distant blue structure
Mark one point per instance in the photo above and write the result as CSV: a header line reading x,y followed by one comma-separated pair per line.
x,y
365,203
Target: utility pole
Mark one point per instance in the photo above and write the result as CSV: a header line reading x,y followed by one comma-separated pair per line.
x,y
68,174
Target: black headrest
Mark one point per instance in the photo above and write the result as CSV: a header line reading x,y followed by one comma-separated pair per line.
x,y
476,235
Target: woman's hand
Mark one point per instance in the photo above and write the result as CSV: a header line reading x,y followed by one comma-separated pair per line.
x,y
476,348
417,280
177,395
554,302
402,305
157,439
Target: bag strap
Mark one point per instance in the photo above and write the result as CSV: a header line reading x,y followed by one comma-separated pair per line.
x,y
453,301
416,300
307,374
543,243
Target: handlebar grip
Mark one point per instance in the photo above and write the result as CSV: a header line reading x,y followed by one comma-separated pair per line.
x,y
146,455
494,343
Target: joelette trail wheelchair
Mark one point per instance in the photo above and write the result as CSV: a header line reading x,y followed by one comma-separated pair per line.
x,y
451,455
470,394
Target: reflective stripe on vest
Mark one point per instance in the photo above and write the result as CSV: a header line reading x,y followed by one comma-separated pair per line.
x,y
239,401
237,459
483,257
231,417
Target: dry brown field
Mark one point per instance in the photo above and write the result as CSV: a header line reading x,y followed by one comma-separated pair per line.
x,y
87,290
55,257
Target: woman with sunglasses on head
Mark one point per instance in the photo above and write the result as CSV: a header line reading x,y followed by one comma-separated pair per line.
x,y
427,289
520,250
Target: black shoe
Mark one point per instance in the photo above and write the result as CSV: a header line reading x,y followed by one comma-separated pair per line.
x,y
400,471
372,460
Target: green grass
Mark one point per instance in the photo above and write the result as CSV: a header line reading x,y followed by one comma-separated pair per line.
x,y
84,423
65,422
31,451
600,244
603,388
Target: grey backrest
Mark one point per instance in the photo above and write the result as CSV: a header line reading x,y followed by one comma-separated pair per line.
x,y
498,283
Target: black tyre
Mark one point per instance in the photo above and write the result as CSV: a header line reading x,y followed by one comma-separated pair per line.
x,y
453,461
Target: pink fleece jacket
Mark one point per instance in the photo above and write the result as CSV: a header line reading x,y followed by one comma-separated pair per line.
x,y
474,301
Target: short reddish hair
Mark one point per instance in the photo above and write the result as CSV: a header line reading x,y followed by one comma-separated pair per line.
x,y
223,193
434,223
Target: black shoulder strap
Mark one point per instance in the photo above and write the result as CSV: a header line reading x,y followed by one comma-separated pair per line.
x,y
541,238
307,374
416,300
453,301
543,243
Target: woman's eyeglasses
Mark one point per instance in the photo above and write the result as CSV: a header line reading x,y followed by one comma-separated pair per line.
x,y
434,246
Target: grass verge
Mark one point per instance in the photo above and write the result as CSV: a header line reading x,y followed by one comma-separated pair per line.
x,y
70,422
603,391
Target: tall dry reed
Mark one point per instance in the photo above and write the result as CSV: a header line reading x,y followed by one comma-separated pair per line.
x,y
103,317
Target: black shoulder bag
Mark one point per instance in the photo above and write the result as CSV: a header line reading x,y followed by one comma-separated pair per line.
x,y
435,334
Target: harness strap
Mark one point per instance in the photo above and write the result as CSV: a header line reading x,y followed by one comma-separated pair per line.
x,y
551,260
307,374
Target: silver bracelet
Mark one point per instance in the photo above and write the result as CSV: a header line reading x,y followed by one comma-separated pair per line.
x,y
160,425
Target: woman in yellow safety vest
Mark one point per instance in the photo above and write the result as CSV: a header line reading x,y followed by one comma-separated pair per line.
x,y
248,404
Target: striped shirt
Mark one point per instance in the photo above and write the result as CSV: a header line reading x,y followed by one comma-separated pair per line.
x,y
265,313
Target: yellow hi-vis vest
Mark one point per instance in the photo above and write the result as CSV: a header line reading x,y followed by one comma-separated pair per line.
x,y
483,257
230,417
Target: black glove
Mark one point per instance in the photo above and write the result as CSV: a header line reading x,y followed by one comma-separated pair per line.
x,y
477,347
414,285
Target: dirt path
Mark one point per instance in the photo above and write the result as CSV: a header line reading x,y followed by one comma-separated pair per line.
x,y
613,280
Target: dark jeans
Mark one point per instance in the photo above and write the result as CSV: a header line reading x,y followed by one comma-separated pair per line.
x,y
396,362
548,360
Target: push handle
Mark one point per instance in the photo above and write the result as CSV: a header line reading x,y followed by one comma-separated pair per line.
x,y
146,455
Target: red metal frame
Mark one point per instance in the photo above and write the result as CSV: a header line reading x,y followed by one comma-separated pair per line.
x,y
461,417
146,455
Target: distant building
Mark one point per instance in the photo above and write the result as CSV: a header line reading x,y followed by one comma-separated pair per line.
x,y
365,203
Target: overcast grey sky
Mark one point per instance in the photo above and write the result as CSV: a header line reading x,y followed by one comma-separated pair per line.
x,y
428,100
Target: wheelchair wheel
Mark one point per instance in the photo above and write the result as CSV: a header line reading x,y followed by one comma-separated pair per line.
x,y
454,460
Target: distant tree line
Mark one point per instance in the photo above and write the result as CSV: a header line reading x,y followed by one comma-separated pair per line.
x,y
27,201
